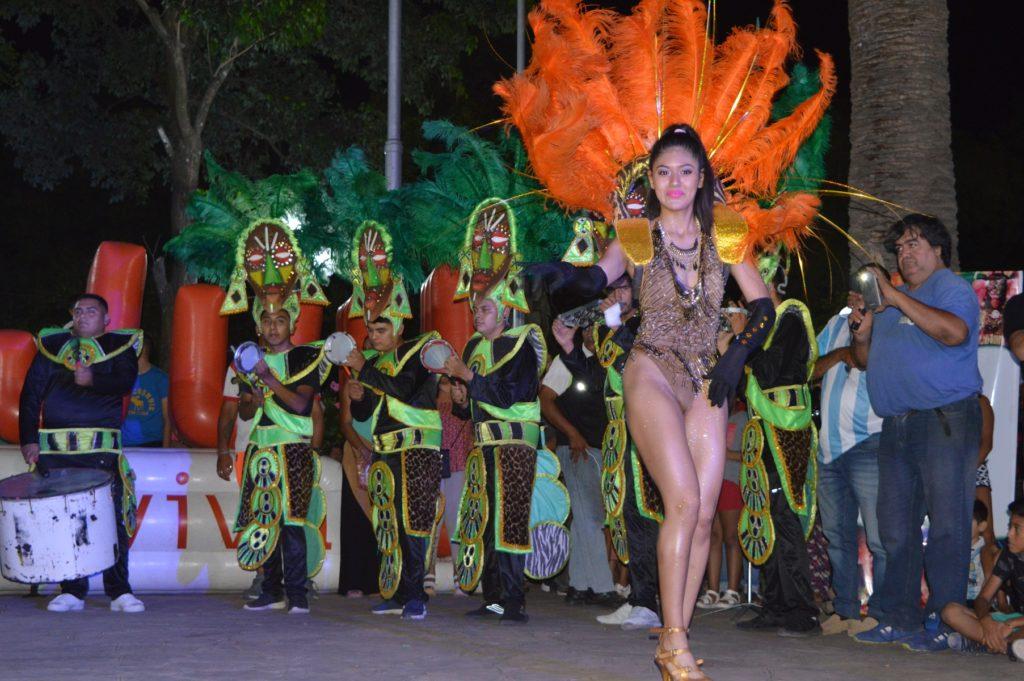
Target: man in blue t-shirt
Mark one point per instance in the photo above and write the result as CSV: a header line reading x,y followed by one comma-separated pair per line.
x,y
148,423
921,346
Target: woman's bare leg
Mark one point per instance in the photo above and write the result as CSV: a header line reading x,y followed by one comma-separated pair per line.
x,y
714,570
705,437
656,423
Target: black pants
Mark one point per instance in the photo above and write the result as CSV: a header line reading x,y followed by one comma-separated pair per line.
x,y
115,578
503,578
358,556
285,569
786,575
642,538
414,549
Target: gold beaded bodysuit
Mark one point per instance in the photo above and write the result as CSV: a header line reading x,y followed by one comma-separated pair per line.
x,y
679,326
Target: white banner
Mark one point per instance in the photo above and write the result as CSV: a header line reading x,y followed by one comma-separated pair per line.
x,y
1001,375
185,514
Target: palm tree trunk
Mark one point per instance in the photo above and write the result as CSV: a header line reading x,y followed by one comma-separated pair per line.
x,y
900,137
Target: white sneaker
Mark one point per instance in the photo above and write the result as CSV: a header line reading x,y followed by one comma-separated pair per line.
x,y
127,603
298,610
617,617
641,618
65,603
708,600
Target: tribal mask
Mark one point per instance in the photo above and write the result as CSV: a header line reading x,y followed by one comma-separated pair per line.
x,y
377,289
268,256
590,238
489,259
630,197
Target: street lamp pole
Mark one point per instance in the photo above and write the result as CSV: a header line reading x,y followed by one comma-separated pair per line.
x,y
393,145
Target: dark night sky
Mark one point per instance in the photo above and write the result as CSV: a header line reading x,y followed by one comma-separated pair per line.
x,y
42,232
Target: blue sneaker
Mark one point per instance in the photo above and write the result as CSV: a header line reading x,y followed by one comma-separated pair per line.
x,y
927,641
388,607
932,623
883,633
962,644
414,610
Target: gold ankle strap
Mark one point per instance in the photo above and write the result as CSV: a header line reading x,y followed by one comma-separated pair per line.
x,y
669,630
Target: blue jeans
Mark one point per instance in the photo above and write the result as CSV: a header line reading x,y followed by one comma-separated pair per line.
x,y
926,464
588,557
845,485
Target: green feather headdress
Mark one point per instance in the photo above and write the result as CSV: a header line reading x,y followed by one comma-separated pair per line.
x,y
229,205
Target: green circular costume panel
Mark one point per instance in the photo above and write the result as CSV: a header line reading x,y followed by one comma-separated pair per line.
x,y
265,468
256,544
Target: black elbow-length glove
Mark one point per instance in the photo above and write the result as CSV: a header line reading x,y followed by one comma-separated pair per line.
x,y
562,277
727,372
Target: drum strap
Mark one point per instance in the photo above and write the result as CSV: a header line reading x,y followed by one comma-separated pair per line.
x,y
406,438
79,441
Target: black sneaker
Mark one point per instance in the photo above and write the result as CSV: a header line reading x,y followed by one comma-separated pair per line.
x,y
487,610
800,629
298,606
515,613
762,621
266,602
608,599
576,597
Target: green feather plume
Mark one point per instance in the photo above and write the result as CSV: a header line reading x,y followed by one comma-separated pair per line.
x,y
436,209
231,202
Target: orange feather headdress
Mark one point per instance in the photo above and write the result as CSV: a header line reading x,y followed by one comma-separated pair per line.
x,y
601,87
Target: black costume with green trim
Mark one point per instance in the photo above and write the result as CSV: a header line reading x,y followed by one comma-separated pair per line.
x,y
494,512
81,425
778,474
633,506
281,494
405,477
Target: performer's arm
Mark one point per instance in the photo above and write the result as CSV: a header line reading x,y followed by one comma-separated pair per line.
x,y
120,379
317,441
357,441
298,399
404,386
250,399
363,400
30,405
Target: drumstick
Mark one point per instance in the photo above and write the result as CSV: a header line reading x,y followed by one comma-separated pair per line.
x,y
42,469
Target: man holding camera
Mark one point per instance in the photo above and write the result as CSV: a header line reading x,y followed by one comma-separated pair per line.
x,y
921,346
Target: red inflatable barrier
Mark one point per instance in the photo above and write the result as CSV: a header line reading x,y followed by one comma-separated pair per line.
x,y
119,275
310,324
454,321
353,327
17,348
198,362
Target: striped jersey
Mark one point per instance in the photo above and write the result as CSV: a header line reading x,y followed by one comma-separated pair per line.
x,y
847,418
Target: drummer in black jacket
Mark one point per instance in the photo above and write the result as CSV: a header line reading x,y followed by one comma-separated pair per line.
x,y
392,387
78,383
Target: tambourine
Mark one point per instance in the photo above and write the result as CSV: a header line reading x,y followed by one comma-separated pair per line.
x,y
247,356
338,346
435,353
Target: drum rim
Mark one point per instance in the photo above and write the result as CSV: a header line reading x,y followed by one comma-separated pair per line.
x,y
431,343
109,477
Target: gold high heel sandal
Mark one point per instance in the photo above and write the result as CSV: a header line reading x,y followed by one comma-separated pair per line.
x,y
665,658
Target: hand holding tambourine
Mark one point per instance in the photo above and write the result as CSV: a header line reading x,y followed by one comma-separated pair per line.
x,y
341,350
435,354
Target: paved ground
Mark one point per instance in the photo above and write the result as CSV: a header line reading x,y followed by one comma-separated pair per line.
x,y
210,637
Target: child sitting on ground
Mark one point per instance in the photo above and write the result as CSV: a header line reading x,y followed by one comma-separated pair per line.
x,y
997,631
983,553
